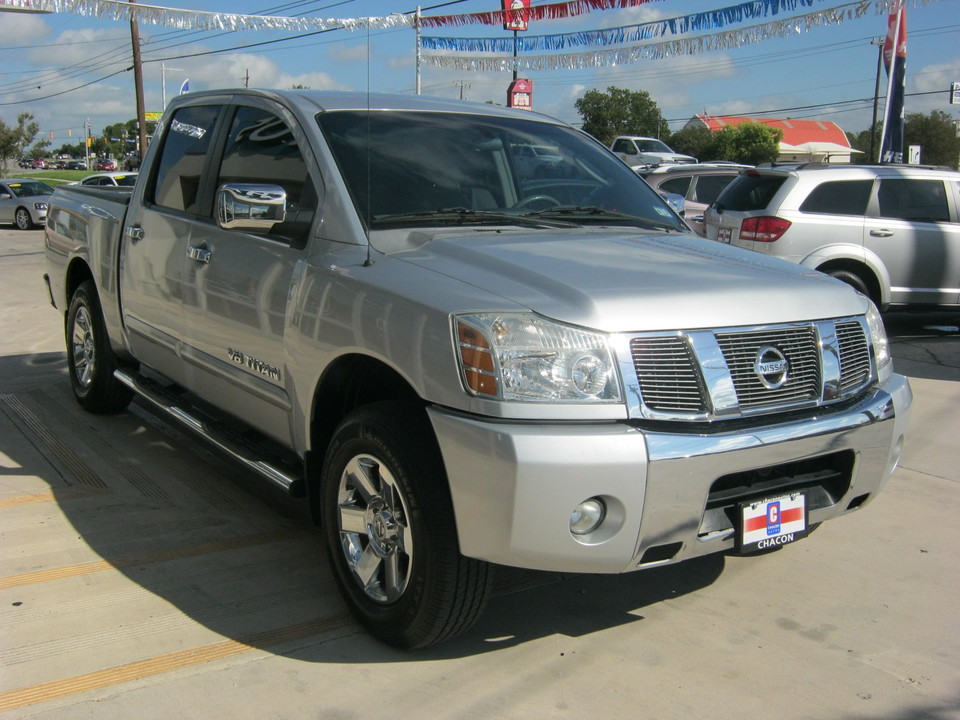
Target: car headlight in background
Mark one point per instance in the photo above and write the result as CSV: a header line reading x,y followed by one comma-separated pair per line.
x,y
881,346
39,206
521,356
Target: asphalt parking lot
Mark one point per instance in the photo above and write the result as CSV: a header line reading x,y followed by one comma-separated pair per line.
x,y
143,577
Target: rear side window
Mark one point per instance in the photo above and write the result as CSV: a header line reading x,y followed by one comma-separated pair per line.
x,y
913,199
677,185
841,197
180,165
750,192
709,187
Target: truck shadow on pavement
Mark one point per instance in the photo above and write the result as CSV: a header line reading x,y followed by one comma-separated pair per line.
x,y
214,549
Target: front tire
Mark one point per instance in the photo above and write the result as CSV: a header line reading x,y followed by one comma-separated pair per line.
x,y
22,219
89,358
391,536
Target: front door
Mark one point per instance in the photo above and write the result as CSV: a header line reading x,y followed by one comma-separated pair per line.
x,y
236,284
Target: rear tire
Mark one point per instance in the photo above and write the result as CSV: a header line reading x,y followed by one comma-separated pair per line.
x,y
853,280
89,358
390,530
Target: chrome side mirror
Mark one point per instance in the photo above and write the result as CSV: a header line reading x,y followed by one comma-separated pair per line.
x,y
677,202
250,207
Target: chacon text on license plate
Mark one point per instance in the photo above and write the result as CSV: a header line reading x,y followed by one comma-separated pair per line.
x,y
724,234
772,522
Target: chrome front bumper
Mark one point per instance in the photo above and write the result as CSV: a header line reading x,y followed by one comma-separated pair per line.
x,y
514,485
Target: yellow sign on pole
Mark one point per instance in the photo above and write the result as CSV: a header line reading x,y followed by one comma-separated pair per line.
x,y
152,116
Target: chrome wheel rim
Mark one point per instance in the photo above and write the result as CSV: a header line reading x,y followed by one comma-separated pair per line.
x,y
23,219
84,357
374,529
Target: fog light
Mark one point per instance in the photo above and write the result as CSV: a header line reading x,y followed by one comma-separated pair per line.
x,y
587,516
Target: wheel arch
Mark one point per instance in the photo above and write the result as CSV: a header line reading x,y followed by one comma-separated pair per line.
x,y
879,290
350,382
855,259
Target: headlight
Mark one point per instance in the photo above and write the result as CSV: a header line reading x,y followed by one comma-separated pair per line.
x,y
39,206
881,346
520,356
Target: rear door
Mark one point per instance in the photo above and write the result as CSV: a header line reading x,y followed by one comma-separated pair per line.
x,y
157,236
236,283
913,228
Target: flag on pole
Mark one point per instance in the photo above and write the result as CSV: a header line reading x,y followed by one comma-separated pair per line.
x,y
185,88
895,60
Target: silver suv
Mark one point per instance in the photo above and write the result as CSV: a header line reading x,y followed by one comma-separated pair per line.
x,y
890,231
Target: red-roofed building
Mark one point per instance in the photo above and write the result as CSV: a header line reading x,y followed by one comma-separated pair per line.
x,y
803,140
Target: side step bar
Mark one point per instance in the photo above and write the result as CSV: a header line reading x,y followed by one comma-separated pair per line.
x,y
183,413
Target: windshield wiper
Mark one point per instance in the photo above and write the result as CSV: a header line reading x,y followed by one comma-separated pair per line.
x,y
595,212
466,216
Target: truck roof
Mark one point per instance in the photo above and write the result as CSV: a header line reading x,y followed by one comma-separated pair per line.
x,y
323,100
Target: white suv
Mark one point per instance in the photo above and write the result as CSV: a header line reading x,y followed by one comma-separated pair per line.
x,y
890,231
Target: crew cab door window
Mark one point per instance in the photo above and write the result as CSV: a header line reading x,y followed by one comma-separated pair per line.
x,y
261,149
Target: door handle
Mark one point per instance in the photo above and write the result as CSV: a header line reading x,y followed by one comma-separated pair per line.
x,y
135,233
200,254
881,233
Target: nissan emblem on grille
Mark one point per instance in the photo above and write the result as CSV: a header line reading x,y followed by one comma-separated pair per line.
x,y
771,367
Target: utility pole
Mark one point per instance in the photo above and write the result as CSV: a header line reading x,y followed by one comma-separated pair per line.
x,y
138,82
462,85
246,78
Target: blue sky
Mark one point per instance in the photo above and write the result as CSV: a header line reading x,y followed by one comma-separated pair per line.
x,y
60,67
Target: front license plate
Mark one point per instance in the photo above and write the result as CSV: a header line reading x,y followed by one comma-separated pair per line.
x,y
724,234
773,522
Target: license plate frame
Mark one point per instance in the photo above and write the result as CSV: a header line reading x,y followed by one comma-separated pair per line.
x,y
772,522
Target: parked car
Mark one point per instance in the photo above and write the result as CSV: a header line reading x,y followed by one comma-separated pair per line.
x,y
111,179
24,202
890,231
77,165
636,150
39,164
699,185
106,164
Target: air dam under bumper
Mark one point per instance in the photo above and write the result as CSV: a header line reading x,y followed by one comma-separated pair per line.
x,y
514,485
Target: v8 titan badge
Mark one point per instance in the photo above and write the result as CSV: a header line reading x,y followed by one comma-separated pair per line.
x,y
774,522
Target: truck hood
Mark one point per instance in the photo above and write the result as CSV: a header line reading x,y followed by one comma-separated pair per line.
x,y
618,280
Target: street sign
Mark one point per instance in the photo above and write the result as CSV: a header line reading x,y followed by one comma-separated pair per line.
x,y
955,93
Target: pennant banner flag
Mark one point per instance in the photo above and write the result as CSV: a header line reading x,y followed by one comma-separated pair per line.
x,y
895,60
201,20
696,22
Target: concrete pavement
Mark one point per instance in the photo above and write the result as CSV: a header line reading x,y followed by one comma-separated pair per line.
x,y
143,577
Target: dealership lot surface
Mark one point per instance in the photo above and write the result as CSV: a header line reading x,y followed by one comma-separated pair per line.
x,y
142,576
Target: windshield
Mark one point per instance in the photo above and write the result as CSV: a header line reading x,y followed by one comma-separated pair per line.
x,y
433,169
29,188
653,146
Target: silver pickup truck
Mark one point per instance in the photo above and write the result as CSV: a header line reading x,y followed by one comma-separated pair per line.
x,y
464,360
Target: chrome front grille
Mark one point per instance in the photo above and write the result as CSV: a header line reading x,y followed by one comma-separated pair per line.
x,y
799,347
854,356
707,375
667,374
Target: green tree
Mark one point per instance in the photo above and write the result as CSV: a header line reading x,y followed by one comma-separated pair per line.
x,y
937,136
116,136
751,143
693,140
15,139
619,112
